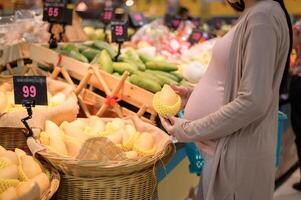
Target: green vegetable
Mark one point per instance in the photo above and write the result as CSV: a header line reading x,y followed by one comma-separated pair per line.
x,y
145,58
104,60
69,47
76,55
134,57
116,74
90,53
184,83
121,67
163,78
150,76
161,65
145,83
103,45
178,75
82,47
167,74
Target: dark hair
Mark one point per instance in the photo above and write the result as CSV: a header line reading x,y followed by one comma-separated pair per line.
x,y
240,6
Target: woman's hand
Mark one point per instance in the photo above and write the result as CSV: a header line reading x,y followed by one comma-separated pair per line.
x,y
175,127
183,92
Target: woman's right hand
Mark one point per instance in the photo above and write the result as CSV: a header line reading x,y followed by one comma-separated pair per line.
x,y
183,92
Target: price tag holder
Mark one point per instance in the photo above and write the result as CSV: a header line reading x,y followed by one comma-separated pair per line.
x,y
106,16
137,19
30,89
119,32
56,11
195,36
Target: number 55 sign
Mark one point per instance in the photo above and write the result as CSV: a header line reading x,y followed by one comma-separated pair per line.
x,y
33,88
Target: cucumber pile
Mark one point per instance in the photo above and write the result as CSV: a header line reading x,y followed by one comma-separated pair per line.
x,y
146,72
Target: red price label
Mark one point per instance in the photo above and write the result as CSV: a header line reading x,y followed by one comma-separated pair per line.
x,y
53,12
29,91
119,31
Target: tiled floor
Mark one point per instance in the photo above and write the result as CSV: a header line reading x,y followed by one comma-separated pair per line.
x,y
286,192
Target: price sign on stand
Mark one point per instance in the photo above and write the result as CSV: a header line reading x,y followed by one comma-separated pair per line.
x,y
196,21
55,11
137,19
106,16
195,36
30,89
175,22
119,32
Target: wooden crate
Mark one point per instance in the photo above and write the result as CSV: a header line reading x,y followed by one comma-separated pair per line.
x,y
138,101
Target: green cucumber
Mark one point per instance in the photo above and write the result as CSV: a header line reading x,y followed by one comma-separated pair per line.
x,y
150,76
103,45
167,74
178,75
121,67
69,47
82,47
163,78
76,55
145,83
90,53
104,60
161,66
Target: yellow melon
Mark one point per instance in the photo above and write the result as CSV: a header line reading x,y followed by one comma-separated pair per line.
x,y
145,144
12,156
72,144
9,172
30,166
131,155
9,194
55,138
7,183
42,181
57,99
28,190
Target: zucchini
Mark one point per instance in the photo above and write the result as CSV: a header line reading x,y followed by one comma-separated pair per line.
x,y
145,83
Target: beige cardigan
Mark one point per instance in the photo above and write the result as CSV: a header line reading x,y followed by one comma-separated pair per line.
x,y
246,126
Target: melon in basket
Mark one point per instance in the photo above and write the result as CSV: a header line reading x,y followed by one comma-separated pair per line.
x,y
122,135
21,176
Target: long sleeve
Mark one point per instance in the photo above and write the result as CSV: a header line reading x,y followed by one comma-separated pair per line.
x,y
254,92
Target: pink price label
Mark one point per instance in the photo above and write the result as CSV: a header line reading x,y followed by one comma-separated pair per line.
x,y
53,12
108,15
29,91
119,30
137,17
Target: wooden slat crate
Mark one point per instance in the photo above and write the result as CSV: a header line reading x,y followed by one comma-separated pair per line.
x,y
134,100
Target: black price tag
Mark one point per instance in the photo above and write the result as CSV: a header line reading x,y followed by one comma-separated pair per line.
x,y
55,11
196,21
107,15
195,36
30,88
175,22
137,19
119,31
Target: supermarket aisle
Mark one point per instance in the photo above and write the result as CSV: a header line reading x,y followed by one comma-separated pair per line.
x,y
286,192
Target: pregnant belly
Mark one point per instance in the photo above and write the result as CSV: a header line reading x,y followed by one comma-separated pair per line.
x,y
206,98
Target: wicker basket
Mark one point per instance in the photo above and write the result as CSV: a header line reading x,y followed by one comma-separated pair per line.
x,y
11,138
54,184
139,186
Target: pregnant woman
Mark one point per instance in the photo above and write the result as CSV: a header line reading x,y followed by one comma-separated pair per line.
x,y
232,112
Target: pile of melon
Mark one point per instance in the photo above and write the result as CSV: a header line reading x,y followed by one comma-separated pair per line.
x,y
21,176
68,138
7,99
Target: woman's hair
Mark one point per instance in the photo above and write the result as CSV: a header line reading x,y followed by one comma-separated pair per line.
x,y
240,6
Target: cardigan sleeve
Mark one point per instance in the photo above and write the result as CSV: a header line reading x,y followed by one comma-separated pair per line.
x,y
254,92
